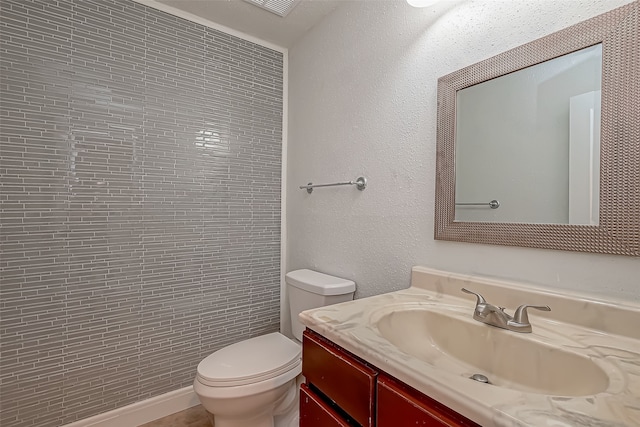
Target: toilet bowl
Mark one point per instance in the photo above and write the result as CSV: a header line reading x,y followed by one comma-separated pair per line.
x,y
250,382
254,383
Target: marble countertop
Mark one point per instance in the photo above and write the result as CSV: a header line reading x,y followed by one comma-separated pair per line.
x,y
606,332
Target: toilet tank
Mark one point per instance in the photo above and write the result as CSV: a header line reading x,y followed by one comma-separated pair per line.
x,y
310,289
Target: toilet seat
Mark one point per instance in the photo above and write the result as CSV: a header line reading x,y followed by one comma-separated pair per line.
x,y
250,361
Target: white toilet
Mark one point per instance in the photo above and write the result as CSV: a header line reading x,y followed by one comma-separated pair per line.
x,y
253,383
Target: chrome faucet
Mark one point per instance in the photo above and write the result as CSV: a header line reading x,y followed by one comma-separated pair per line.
x,y
496,316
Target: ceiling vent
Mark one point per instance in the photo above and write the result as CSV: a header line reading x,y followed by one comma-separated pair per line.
x,y
279,7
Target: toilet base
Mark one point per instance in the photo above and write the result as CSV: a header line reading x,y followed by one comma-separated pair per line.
x,y
277,407
265,420
290,419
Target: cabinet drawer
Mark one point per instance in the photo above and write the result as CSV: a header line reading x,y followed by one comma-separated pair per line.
x,y
316,413
401,406
349,383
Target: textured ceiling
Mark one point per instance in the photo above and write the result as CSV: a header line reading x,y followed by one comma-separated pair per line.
x,y
252,20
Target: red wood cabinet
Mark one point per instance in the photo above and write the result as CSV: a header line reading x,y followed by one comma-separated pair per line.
x,y
399,405
342,379
316,412
342,390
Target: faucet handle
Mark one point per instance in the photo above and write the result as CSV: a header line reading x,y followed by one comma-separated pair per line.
x,y
480,298
521,316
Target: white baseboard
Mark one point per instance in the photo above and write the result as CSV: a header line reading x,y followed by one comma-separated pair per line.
x,y
143,412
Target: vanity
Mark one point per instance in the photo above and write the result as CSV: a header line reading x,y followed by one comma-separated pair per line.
x,y
408,357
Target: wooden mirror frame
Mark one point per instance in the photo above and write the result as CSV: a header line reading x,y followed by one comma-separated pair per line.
x,y
618,231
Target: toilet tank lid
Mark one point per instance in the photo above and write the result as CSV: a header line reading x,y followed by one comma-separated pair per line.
x,y
319,283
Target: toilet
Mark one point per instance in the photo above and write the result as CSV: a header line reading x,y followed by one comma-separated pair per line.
x,y
254,383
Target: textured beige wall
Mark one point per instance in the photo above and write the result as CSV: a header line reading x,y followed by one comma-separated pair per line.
x,y
362,101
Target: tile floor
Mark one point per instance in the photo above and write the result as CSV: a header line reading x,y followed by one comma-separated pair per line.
x,y
192,417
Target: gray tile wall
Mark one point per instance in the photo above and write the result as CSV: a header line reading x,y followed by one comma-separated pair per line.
x,y
140,189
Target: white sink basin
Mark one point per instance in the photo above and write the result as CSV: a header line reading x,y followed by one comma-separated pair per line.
x,y
449,339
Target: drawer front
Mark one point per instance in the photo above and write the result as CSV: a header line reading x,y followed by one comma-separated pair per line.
x,y
316,413
402,406
338,375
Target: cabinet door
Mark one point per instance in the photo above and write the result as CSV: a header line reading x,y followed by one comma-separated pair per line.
x,y
316,413
346,381
402,406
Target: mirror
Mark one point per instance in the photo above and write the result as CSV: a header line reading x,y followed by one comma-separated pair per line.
x,y
539,146
539,126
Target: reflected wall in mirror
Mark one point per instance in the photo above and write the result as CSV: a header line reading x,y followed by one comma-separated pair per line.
x,y
564,161
539,126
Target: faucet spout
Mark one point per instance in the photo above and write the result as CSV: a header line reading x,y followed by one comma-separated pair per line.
x,y
492,315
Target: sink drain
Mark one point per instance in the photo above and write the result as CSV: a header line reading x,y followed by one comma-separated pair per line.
x,y
480,378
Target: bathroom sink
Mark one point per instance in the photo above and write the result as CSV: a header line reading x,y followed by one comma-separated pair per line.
x,y
450,340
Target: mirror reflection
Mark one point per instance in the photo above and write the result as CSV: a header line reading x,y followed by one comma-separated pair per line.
x,y
531,141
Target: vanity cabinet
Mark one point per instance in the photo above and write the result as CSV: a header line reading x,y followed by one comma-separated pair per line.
x,y
342,390
400,405
336,377
315,411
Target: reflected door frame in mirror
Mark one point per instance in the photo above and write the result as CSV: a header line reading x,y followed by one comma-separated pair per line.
x,y
618,231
